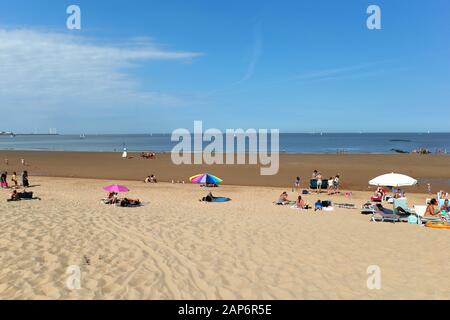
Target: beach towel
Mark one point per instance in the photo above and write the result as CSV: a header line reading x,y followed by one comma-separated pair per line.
x,y
215,199
122,204
220,199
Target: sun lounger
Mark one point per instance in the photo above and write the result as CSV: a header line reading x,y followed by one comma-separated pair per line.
x,y
344,205
382,214
419,211
368,208
401,207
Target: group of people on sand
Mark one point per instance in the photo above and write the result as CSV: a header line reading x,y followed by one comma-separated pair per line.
x,y
148,155
440,206
113,198
299,204
151,179
332,185
14,180
380,193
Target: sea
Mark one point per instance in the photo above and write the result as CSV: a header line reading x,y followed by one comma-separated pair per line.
x,y
317,143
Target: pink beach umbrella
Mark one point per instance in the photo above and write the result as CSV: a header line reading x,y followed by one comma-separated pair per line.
x,y
116,188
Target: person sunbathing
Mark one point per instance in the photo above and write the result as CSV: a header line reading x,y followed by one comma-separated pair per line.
x,y
129,202
300,204
445,207
14,196
432,209
111,198
283,199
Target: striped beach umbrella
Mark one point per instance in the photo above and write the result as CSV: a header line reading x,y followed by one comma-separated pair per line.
x,y
205,178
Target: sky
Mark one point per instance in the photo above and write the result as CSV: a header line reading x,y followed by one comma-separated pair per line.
x,y
154,66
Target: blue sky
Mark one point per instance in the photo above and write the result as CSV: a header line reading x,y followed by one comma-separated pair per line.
x,y
154,66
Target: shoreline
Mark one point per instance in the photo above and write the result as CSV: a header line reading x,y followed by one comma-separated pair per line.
x,y
355,169
170,151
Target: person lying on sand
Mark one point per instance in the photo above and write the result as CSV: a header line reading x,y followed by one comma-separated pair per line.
x,y
283,199
209,198
14,196
129,202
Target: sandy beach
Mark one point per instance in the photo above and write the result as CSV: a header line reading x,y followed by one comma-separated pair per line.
x,y
355,169
176,247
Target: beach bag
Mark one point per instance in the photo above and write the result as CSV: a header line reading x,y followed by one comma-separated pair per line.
x,y
304,191
412,219
326,204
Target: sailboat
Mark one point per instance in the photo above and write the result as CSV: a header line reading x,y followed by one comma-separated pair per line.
x,y
82,136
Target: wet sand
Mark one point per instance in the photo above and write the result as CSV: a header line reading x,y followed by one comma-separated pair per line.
x,y
355,170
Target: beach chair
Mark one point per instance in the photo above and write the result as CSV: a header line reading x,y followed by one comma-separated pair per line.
x,y
419,211
382,214
368,208
401,205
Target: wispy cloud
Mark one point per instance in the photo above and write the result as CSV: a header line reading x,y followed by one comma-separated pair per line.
x,y
256,53
357,70
45,70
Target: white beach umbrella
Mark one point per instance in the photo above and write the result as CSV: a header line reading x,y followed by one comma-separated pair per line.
x,y
393,180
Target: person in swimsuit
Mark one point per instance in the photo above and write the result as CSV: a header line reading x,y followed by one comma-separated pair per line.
x,y
319,182
432,210
297,184
283,199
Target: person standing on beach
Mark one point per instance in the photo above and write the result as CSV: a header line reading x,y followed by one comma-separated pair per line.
x,y
296,184
330,187
3,180
14,180
25,182
336,182
319,182
22,161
